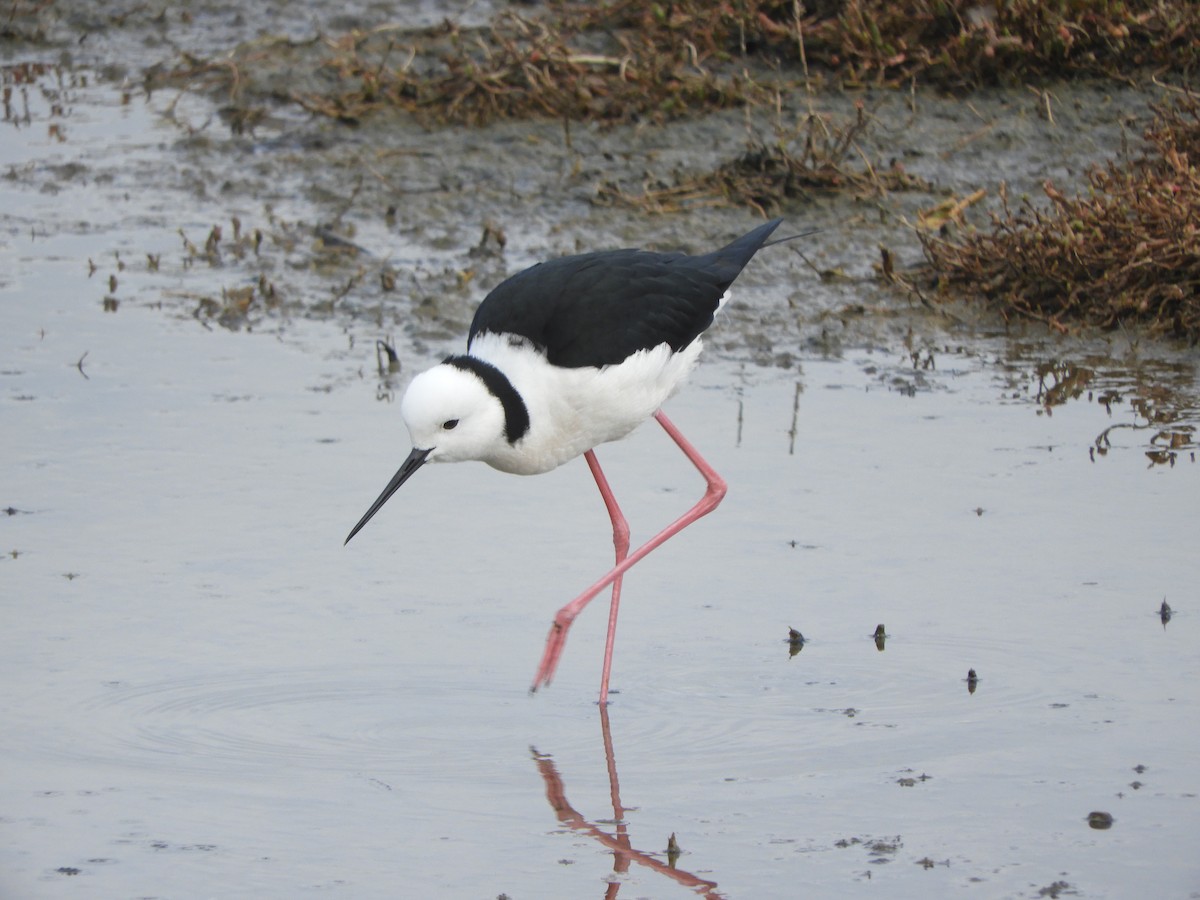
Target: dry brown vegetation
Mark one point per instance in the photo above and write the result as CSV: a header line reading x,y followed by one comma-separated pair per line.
x,y
1127,251
518,67
963,43
630,60
953,43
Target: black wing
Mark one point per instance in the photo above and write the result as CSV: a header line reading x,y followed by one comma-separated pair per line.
x,y
596,309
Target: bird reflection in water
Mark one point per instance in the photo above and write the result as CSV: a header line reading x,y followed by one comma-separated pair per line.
x,y
619,842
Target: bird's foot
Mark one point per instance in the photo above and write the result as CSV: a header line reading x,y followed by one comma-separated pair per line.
x,y
555,642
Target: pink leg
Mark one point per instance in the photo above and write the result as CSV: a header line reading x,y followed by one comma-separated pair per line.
x,y
562,621
621,543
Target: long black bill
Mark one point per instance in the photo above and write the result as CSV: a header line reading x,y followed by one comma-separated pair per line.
x,y
415,460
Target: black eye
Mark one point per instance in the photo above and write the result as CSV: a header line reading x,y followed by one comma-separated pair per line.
x,y
450,424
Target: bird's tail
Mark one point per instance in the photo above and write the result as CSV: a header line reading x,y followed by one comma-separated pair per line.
x,y
733,257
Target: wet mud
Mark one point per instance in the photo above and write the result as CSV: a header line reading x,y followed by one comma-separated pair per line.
x,y
397,228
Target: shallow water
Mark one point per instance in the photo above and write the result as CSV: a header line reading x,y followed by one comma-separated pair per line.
x,y
206,694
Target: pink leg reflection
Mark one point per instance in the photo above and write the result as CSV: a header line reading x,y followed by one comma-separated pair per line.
x,y
620,844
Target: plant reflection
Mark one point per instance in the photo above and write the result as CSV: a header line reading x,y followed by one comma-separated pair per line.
x,y
1150,394
619,842
1059,382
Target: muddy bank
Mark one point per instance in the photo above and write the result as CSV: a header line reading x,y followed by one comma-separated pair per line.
x,y
259,210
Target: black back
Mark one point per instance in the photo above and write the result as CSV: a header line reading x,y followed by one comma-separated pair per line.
x,y
596,309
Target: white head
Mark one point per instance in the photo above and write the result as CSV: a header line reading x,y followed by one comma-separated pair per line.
x,y
452,415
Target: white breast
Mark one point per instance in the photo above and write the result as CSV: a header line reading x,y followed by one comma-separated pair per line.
x,y
573,410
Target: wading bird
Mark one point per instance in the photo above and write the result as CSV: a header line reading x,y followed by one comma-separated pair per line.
x,y
565,356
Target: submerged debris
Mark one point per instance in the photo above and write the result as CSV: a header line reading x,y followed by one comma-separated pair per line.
x,y
387,361
673,851
1057,889
795,642
880,637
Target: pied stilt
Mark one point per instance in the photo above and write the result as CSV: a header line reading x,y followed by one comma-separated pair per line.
x,y
564,356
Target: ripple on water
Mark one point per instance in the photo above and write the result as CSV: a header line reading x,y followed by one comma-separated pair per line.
x,y
320,719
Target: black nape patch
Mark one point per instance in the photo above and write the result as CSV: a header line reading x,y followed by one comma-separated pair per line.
x,y
516,416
